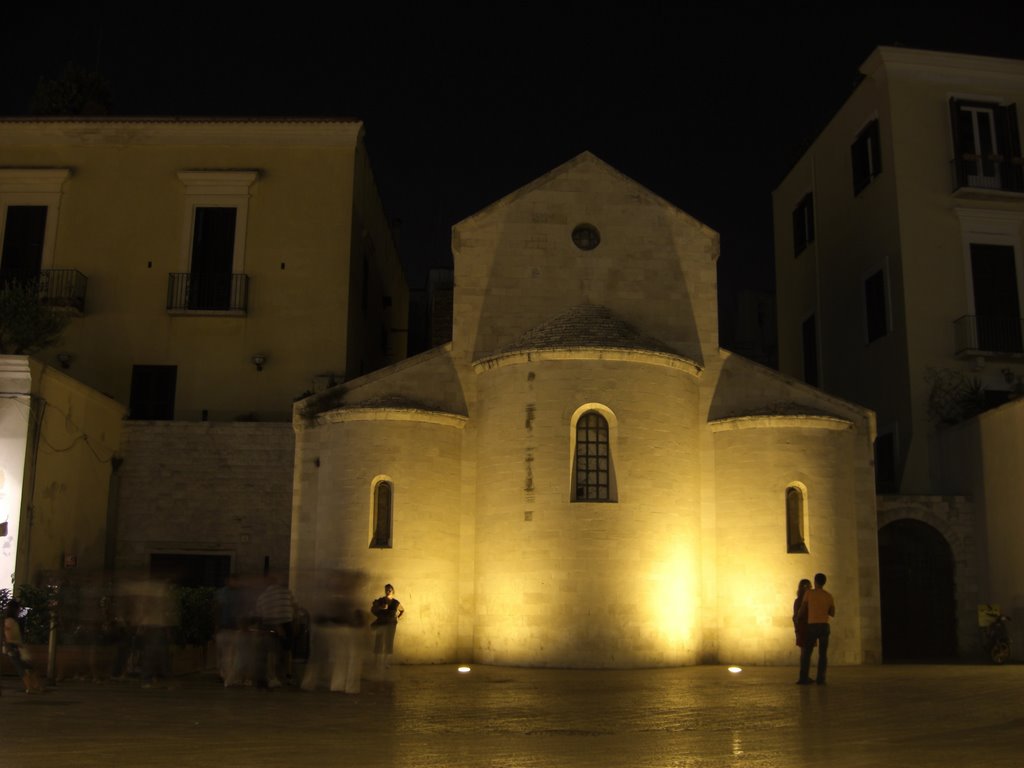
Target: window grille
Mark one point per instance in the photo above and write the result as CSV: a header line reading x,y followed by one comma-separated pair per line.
x,y
593,459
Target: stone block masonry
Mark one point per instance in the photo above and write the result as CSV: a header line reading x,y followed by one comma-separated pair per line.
x,y
206,488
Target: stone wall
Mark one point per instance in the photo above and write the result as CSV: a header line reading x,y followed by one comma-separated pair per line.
x,y
206,488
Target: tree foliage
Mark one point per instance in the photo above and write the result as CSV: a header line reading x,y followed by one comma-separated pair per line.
x,y
26,324
76,91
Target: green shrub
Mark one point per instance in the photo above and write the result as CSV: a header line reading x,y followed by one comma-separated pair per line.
x,y
36,605
196,610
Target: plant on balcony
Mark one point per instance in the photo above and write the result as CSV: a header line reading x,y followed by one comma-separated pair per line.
x,y
954,396
26,324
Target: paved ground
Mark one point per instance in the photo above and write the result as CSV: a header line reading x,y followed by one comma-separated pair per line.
x,y
498,717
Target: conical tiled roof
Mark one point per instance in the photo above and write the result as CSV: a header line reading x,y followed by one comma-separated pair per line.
x,y
586,326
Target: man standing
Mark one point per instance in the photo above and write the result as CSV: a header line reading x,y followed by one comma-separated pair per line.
x,y
387,611
819,607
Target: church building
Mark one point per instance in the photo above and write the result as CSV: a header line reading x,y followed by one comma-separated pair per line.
x,y
582,477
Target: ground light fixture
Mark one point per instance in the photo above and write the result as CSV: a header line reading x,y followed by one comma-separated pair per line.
x,y
464,669
735,670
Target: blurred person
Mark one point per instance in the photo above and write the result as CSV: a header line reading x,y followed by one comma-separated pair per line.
x,y
156,616
275,608
352,641
252,640
340,635
115,634
387,611
227,627
13,649
88,630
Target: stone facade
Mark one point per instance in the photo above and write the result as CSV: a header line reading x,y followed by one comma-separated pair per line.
x,y
584,299
204,488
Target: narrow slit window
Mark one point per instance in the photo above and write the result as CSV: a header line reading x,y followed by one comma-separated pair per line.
x,y
383,494
796,541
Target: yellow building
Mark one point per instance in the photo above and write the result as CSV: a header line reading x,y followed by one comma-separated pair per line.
x,y
215,271
59,441
898,247
582,477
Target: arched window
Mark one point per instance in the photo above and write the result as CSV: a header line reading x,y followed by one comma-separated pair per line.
x,y
796,533
383,494
592,465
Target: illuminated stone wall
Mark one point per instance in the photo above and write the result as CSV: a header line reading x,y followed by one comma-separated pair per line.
x,y
566,583
494,559
757,458
338,463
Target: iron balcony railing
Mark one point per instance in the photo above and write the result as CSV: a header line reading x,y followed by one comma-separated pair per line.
x,y
988,172
58,288
197,292
992,335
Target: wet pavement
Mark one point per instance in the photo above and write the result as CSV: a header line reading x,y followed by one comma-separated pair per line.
x,y
499,717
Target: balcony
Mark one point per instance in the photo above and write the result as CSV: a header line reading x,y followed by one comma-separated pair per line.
x,y
988,172
195,293
58,288
980,336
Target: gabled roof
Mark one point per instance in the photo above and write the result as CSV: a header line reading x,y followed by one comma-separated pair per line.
x,y
583,158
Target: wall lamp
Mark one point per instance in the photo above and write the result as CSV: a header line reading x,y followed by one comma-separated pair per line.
x,y
64,359
258,361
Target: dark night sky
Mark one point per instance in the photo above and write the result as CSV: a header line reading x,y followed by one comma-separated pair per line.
x,y
706,105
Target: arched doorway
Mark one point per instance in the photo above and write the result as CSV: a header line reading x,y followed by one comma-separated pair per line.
x,y
917,593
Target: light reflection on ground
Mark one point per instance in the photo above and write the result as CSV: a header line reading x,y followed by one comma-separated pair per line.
x,y
522,718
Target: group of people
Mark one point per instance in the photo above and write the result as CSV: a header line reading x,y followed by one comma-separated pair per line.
x,y
129,626
813,609
258,635
255,632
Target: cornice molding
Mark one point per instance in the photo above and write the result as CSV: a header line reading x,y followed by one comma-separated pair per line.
x,y
381,413
781,421
644,357
45,180
218,182
917,62
141,132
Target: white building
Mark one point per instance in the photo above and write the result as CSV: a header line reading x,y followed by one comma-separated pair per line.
x,y
899,239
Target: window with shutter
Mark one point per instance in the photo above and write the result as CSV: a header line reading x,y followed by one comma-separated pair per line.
x,y
986,145
866,155
803,224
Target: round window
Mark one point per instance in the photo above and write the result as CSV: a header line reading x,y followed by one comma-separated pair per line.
x,y
586,237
